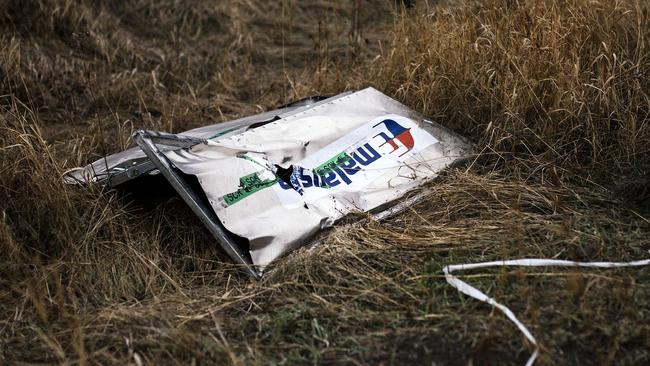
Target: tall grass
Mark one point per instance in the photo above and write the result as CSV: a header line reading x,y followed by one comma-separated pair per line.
x,y
558,84
554,94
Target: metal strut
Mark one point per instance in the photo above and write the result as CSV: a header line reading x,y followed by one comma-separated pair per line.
x,y
147,141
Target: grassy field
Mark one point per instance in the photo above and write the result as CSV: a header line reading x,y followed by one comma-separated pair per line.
x,y
555,95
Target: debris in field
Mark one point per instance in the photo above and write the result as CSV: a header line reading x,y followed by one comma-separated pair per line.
x,y
472,291
277,178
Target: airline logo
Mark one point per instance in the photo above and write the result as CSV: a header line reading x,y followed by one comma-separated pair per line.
x,y
335,171
361,155
401,134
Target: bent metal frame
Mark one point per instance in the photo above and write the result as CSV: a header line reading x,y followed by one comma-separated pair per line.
x,y
147,141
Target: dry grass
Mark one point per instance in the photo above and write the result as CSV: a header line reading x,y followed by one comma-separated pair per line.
x,y
554,94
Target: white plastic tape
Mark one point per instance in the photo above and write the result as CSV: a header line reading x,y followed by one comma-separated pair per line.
x,y
469,290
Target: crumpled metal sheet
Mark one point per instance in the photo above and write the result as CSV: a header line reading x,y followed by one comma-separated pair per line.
x,y
279,178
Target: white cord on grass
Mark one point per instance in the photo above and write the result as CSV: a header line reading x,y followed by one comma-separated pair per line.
x,y
469,290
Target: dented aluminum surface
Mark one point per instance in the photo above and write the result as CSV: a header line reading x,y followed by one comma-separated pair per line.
x,y
278,178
